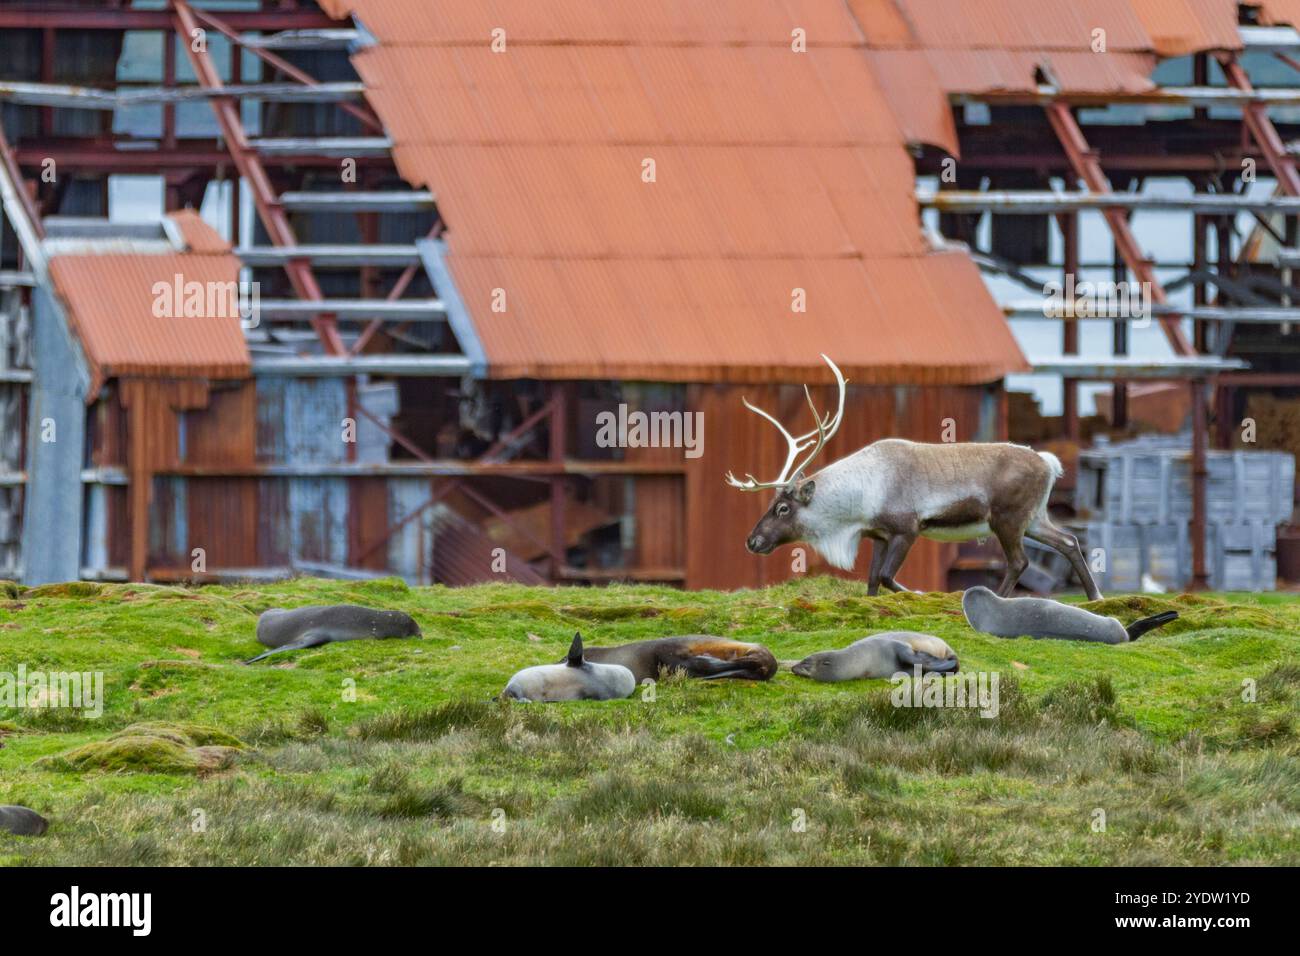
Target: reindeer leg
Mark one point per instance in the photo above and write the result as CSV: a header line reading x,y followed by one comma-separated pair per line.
x,y
877,563
1043,531
1013,547
895,554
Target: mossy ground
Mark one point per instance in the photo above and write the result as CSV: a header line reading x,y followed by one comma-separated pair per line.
x,y
393,751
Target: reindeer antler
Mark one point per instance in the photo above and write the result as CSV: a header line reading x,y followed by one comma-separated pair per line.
x,y
816,439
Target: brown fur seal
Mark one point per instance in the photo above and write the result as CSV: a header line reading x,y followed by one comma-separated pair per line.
x,y
1040,617
319,624
574,679
21,821
880,655
696,654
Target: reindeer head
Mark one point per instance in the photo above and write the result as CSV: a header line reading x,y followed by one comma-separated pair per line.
x,y
781,524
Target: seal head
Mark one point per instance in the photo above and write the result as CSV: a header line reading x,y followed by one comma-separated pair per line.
x,y
880,655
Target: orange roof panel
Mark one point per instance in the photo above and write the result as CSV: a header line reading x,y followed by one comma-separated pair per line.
x,y
1278,12
1180,27
125,309
773,170
677,22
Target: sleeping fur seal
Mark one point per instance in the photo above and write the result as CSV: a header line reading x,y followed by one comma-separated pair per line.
x,y
881,655
312,626
1040,617
21,821
575,679
696,654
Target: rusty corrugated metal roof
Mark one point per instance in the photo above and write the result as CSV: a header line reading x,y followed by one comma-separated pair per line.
x,y
774,172
117,304
918,99
1024,24
991,71
1180,27
198,235
611,22
985,46
1278,12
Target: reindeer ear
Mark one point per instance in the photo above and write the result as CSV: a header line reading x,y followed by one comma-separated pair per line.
x,y
803,494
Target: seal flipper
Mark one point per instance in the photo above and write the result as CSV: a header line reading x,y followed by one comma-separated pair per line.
x,y
310,639
1138,628
708,667
575,652
928,663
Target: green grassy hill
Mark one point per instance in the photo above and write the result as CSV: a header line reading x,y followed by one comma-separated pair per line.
x,y
392,752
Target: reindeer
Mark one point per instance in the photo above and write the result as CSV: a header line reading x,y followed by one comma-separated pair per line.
x,y
894,491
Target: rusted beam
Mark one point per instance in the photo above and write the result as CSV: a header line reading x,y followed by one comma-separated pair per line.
x,y
1262,131
398,290
34,16
1193,96
1086,166
250,167
432,500
121,155
285,67
505,441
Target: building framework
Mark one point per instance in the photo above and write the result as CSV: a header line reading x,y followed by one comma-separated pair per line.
x,y
361,319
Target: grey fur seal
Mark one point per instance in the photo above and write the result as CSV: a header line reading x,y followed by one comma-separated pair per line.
x,y
575,679
1040,617
292,630
880,655
698,655
21,821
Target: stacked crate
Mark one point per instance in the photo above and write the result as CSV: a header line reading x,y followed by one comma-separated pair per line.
x,y
1134,500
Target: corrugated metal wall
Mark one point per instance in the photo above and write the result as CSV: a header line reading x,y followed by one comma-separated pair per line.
x,y
689,527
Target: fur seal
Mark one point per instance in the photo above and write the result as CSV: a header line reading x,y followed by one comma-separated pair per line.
x,y
880,655
697,654
21,821
284,630
575,679
1040,617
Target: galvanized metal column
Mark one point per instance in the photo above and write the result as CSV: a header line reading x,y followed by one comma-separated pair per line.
x,y
56,439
